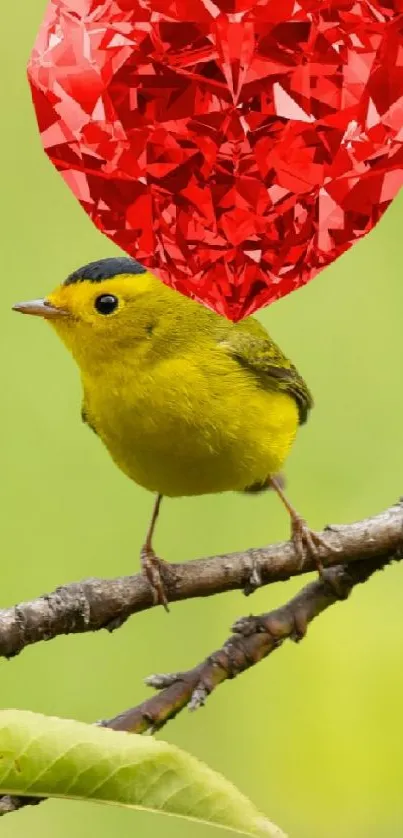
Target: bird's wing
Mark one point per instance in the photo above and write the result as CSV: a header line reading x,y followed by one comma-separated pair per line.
x,y
249,343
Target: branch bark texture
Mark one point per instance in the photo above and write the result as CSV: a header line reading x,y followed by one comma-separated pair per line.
x,y
107,603
356,552
254,638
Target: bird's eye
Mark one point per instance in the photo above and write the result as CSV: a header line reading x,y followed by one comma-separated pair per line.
x,y
106,303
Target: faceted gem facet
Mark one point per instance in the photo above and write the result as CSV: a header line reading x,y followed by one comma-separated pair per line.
x,y
235,147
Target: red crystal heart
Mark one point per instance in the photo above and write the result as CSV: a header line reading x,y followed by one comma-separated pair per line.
x,y
235,147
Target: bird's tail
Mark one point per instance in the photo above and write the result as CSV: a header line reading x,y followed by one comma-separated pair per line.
x,y
264,485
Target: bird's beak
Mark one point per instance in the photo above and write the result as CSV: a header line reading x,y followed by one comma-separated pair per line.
x,y
40,308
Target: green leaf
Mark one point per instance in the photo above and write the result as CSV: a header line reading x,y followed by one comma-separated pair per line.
x,y
43,756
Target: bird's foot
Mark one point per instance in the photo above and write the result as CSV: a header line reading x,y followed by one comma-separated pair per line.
x,y
308,542
152,566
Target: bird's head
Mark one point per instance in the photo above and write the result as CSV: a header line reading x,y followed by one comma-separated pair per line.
x,y
104,309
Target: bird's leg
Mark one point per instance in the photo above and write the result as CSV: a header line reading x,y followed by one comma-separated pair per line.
x,y
151,564
254,579
305,540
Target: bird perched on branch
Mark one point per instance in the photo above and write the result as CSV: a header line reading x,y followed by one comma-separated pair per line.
x,y
186,402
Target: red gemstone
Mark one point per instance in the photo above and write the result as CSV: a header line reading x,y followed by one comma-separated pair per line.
x,y
236,147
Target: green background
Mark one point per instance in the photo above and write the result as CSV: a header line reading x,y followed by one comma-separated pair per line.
x,y
313,735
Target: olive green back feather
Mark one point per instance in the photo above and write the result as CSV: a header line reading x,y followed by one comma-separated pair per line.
x,y
250,344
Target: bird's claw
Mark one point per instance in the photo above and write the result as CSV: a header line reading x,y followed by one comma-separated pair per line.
x,y
151,566
308,542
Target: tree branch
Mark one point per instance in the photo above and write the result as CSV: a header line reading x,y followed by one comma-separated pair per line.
x,y
254,639
107,603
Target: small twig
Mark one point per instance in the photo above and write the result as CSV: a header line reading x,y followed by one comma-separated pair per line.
x,y
107,603
11,803
254,639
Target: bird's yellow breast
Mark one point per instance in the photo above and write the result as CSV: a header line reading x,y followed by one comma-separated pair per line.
x,y
190,426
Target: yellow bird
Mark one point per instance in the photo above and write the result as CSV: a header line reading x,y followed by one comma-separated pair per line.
x,y
186,402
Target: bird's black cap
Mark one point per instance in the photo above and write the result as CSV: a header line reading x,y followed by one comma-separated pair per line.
x,y
105,269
